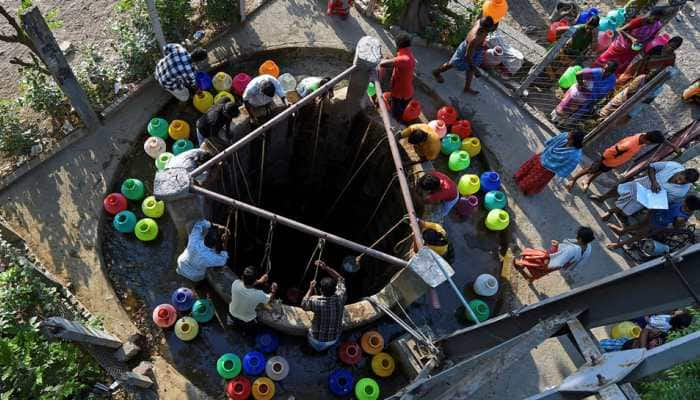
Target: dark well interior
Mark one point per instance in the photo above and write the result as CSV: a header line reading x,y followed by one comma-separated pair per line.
x,y
303,184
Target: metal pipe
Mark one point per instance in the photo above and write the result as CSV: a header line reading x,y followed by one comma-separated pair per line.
x,y
272,122
299,226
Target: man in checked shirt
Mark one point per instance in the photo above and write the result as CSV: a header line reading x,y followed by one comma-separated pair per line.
x,y
327,323
175,71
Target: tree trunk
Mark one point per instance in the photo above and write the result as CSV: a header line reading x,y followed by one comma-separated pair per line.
x,y
416,16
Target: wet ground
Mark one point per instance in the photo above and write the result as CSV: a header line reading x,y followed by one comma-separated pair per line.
x,y
144,276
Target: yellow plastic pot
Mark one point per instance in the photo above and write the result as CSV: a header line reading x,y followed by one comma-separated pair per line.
x,y
152,208
263,389
472,146
497,220
223,94
383,365
222,81
146,230
202,101
468,184
186,329
179,129
626,329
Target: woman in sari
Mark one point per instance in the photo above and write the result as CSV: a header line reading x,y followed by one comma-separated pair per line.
x,y
592,85
560,157
536,263
630,40
654,61
576,48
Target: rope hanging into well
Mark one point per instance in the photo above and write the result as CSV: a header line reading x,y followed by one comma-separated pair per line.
x,y
318,249
266,261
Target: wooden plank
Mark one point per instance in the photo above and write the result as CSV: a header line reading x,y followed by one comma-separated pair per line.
x,y
155,23
589,349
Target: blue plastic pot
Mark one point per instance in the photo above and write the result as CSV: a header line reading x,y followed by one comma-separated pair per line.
x,y
182,299
490,181
585,15
266,342
203,80
254,363
341,382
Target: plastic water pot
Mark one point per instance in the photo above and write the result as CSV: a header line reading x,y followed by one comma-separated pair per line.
x,y
493,57
371,90
439,127
240,81
228,366
486,285
447,114
133,189
154,146
223,94
222,81
158,127
153,208
383,365
179,129
263,389
618,15
468,184
372,342
124,221
288,82
164,315
466,205
412,111
495,9
450,144
253,363
181,146
481,310
367,389
552,31
462,128
604,40
146,230
202,80
182,299
162,160
606,24
277,368
626,329
266,342
585,15
497,220
568,78
186,329
349,353
238,388
269,67
459,160
202,101
341,382
490,180
203,310
114,203
495,200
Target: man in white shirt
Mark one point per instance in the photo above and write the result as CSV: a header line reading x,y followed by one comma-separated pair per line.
x,y
201,252
261,91
245,298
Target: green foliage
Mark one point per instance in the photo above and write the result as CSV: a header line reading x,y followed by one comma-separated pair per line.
x,y
51,16
135,43
16,138
679,382
41,93
222,12
392,10
175,19
97,77
30,366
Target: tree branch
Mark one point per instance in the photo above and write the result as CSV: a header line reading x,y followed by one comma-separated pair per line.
x,y
10,19
27,64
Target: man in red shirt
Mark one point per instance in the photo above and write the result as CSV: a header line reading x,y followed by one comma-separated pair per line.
x,y
439,190
402,76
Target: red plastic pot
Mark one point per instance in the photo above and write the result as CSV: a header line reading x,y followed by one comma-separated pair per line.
x,y
412,111
350,353
463,128
114,203
238,388
447,114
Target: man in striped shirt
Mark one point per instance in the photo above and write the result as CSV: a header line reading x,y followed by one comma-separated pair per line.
x,y
327,324
175,71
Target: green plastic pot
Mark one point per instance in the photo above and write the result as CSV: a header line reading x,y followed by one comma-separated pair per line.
x,y
182,145
146,230
228,366
497,220
568,78
450,144
152,208
158,127
479,308
459,160
468,184
202,310
133,189
124,221
495,199
367,389
162,160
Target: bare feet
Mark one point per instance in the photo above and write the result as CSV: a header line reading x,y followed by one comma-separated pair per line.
x,y
569,186
438,76
615,228
471,91
585,186
606,217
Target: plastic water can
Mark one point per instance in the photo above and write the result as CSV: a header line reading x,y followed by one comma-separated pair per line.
x,y
133,189
162,160
462,128
277,368
606,24
585,15
124,221
340,382
253,363
568,78
240,81
466,205
158,127
372,342
154,146
146,230
179,129
450,144
495,200
224,94
181,146
239,388
383,365
459,161
202,80
288,82
114,203
439,127
626,329
481,310
164,315
468,184
202,101
228,366
552,31
182,299
496,9
493,57
447,114
269,67
618,15
186,329
497,220
266,342
412,111
486,285
203,310
349,353
263,389
604,40
472,146
490,181
152,208
222,81
371,90
367,389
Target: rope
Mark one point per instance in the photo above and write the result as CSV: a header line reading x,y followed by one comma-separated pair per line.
x,y
262,167
381,200
400,242
235,235
316,132
245,180
266,261
319,248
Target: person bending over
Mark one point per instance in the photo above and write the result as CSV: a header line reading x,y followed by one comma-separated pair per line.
x,y
327,323
216,122
246,297
175,71
424,139
204,250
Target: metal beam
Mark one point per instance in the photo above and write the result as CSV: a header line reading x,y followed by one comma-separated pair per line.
x,y
299,226
618,297
271,123
553,52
